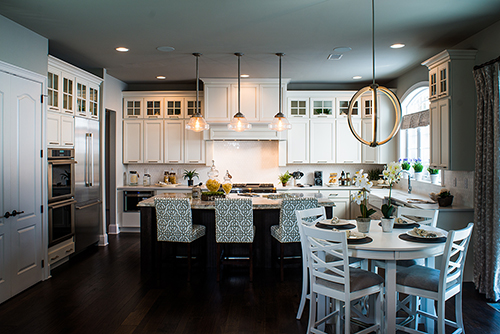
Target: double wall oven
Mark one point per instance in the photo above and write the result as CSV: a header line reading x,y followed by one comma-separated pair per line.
x,y
61,186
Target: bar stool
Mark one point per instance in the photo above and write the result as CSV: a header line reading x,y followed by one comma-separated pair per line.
x,y
234,224
175,224
287,231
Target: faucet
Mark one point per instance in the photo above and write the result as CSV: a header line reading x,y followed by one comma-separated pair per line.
x,y
409,180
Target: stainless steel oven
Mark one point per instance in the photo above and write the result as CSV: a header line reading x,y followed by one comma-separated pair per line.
x,y
61,220
132,198
61,173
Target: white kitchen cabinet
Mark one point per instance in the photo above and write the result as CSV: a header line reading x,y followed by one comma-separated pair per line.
x,y
322,144
133,132
342,202
174,141
132,107
153,107
298,107
81,98
440,133
249,100
68,93
322,107
153,141
381,154
370,155
174,107
366,106
348,148
343,106
259,99
298,142
190,103
53,88
452,109
60,130
194,147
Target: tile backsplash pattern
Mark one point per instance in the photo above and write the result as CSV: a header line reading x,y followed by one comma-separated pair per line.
x,y
249,162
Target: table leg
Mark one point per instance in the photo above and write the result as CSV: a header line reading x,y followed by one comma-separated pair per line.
x,y
390,296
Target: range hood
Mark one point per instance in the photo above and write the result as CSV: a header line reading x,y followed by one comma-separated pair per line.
x,y
257,132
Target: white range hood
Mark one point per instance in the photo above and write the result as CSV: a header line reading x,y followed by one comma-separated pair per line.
x,y
257,132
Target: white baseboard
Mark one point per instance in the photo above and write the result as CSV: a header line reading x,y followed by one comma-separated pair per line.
x,y
103,240
113,229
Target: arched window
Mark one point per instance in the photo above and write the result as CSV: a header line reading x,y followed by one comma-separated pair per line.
x,y
414,137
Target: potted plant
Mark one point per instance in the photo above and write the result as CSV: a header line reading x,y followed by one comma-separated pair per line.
x,y
405,166
284,178
190,174
392,174
434,175
361,198
444,198
418,168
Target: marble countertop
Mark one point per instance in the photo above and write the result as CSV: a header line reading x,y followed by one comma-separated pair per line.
x,y
278,189
415,200
258,202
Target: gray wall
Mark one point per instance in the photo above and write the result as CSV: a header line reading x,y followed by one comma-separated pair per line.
x,y
22,47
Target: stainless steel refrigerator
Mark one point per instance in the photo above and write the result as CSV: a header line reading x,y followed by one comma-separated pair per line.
x,y
87,183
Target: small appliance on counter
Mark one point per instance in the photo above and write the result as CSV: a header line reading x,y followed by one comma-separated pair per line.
x,y
133,179
318,178
297,175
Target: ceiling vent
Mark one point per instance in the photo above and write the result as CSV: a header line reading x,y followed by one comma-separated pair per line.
x,y
333,56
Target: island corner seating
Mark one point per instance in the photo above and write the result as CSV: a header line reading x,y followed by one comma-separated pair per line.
x,y
265,214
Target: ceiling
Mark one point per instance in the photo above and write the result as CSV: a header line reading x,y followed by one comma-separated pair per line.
x,y
86,33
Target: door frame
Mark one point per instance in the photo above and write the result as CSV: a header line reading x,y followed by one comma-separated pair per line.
x,y
42,79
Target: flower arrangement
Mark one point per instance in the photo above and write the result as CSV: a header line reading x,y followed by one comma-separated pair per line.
x,y
417,165
433,171
444,193
361,197
284,178
405,164
392,173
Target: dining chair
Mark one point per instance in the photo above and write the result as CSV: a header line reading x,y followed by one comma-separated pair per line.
x,y
174,223
233,224
287,230
437,284
332,277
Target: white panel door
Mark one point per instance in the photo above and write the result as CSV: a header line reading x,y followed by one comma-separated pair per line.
x,y
67,131
194,147
217,101
53,129
20,234
249,96
132,141
444,115
370,154
174,141
322,146
153,141
348,147
269,102
298,142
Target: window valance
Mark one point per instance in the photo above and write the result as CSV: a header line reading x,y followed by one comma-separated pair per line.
x,y
414,120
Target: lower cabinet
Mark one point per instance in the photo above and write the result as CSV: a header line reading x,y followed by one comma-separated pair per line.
x,y
60,252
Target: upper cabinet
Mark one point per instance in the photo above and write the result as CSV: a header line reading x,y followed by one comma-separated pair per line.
x,y
259,99
71,90
161,105
452,109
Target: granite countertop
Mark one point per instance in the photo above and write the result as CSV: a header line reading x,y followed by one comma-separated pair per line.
x,y
156,187
317,188
278,189
258,202
415,200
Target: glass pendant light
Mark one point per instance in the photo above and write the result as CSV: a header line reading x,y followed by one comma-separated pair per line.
x,y
280,122
374,88
239,123
197,123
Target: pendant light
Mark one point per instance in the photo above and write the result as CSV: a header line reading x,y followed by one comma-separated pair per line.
x,y
374,88
239,123
280,122
197,123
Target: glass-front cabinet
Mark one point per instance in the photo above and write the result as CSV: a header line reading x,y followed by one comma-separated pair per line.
x,y
298,107
153,108
323,107
68,93
81,99
343,106
174,107
191,106
93,102
132,108
53,90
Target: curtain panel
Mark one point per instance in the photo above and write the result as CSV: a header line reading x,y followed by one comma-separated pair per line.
x,y
487,182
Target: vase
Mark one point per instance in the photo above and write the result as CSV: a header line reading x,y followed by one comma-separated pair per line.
x,y
435,178
363,224
190,183
418,176
445,201
387,224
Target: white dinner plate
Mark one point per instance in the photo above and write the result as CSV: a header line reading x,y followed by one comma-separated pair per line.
x,y
353,235
416,235
341,222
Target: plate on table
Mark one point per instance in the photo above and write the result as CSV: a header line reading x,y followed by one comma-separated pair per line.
x,y
424,234
404,223
340,224
355,237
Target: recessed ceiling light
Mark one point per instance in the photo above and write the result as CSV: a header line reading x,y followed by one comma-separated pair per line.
x,y
161,77
342,49
245,75
165,48
357,77
121,49
397,46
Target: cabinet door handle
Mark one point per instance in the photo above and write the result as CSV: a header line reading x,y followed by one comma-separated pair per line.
x,y
173,161
53,258
297,161
53,143
132,116
332,195
349,161
69,250
69,143
194,160
322,161
369,161
133,160
153,161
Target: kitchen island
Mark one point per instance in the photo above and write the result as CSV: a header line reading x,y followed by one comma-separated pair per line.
x,y
265,213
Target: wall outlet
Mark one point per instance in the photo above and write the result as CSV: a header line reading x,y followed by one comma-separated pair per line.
x,y
455,182
466,183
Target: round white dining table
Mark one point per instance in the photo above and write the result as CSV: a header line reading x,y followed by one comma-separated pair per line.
x,y
388,247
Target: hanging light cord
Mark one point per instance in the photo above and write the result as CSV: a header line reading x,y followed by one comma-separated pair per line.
x,y
279,87
373,41
239,80
197,113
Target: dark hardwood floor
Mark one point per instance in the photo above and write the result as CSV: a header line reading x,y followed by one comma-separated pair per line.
x,y
103,291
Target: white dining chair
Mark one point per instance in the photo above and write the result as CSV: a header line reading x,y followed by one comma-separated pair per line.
x,y
438,285
332,277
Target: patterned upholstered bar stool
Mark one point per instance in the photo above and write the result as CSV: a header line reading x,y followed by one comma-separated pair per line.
x,y
175,224
287,231
233,224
